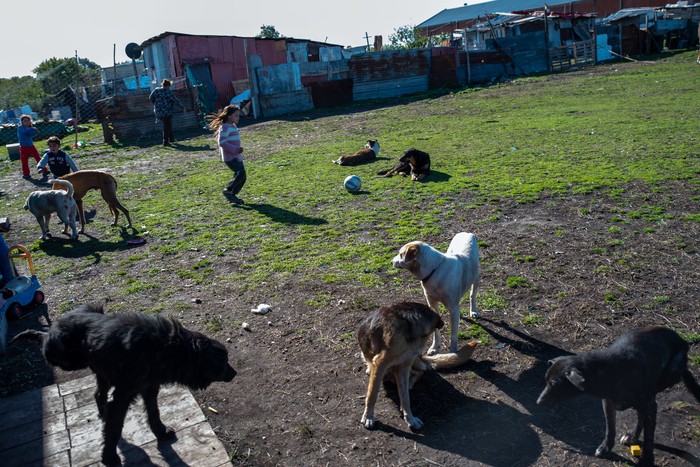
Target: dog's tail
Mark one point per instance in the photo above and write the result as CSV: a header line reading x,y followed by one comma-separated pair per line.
x,y
692,384
66,184
449,360
29,334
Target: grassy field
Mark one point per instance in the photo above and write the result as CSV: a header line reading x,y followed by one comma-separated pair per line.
x,y
520,140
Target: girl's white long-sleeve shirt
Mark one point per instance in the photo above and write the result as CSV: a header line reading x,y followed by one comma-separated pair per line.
x,y
229,141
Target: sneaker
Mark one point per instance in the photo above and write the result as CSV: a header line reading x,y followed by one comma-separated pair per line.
x,y
27,177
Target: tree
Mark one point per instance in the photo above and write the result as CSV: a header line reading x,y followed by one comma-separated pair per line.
x,y
56,74
406,37
18,91
268,32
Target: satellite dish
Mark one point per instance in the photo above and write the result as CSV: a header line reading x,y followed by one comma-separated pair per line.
x,y
133,51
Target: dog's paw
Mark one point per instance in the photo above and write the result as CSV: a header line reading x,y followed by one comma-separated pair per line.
x,y
166,434
367,422
602,450
111,459
628,439
414,423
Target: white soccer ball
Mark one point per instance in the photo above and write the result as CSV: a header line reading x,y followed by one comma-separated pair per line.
x,y
352,183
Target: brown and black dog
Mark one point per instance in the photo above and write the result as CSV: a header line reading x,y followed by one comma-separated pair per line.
x,y
86,180
366,154
414,162
628,374
392,340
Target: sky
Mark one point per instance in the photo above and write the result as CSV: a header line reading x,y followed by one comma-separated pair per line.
x,y
44,29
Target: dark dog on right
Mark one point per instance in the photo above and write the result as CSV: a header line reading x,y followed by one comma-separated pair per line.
x,y
135,354
629,373
414,162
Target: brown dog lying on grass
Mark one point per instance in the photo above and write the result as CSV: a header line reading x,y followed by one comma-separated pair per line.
x,y
392,340
135,354
366,154
86,180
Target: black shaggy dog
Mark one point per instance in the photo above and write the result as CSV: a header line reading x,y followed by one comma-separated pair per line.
x,y
135,354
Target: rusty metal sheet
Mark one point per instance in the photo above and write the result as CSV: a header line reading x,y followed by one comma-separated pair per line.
x,y
389,65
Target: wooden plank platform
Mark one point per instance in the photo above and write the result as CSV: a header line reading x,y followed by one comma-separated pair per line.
x,y
58,425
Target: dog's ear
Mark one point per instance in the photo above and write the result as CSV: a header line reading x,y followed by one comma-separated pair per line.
x,y
412,252
576,378
440,323
553,361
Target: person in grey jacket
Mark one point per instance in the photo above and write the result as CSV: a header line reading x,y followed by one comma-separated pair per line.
x,y
164,105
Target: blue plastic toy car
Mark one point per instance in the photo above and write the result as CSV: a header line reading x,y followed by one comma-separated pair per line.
x,y
21,291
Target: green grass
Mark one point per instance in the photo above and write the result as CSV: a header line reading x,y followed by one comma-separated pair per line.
x,y
492,301
475,332
532,319
592,132
515,282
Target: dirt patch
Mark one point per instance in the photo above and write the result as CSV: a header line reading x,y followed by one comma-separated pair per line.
x,y
587,278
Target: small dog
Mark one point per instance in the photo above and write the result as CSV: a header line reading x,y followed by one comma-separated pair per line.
x,y
367,154
86,180
629,373
414,162
392,340
135,354
43,203
445,278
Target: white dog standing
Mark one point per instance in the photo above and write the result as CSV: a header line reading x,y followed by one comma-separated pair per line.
x,y
445,278
43,203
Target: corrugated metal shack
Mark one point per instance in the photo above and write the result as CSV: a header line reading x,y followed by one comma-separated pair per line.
x,y
527,42
451,19
639,31
216,62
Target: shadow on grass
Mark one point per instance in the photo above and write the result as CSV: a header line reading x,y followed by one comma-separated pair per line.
x,y
435,176
187,147
281,215
62,246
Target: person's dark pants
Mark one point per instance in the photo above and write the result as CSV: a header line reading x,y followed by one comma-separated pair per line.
x,y
239,176
167,129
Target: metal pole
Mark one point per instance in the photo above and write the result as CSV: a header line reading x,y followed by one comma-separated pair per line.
x,y
546,40
114,70
466,49
77,112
